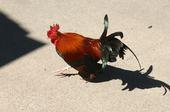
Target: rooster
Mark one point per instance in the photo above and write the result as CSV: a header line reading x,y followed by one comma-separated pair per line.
x,y
83,53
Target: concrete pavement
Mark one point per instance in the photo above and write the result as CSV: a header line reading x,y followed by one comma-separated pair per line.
x,y
28,82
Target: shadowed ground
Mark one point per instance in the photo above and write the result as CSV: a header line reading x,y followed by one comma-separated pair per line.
x,y
130,79
14,41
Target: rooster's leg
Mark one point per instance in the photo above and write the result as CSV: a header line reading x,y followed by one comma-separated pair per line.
x,y
59,71
92,77
66,75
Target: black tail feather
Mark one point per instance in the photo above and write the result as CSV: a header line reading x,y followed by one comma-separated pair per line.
x,y
122,51
106,25
112,47
118,49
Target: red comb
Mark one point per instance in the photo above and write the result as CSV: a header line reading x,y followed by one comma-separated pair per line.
x,y
55,27
53,30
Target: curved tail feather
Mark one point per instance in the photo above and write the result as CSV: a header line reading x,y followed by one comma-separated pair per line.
x,y
111,47
106,25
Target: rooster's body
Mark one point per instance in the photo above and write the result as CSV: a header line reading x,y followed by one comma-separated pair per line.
x,y
83,53
79,52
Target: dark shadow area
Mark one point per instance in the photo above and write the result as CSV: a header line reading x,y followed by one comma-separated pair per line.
x,y
14,41
131,79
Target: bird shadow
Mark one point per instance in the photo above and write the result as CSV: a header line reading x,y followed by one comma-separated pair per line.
x,y
132,79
